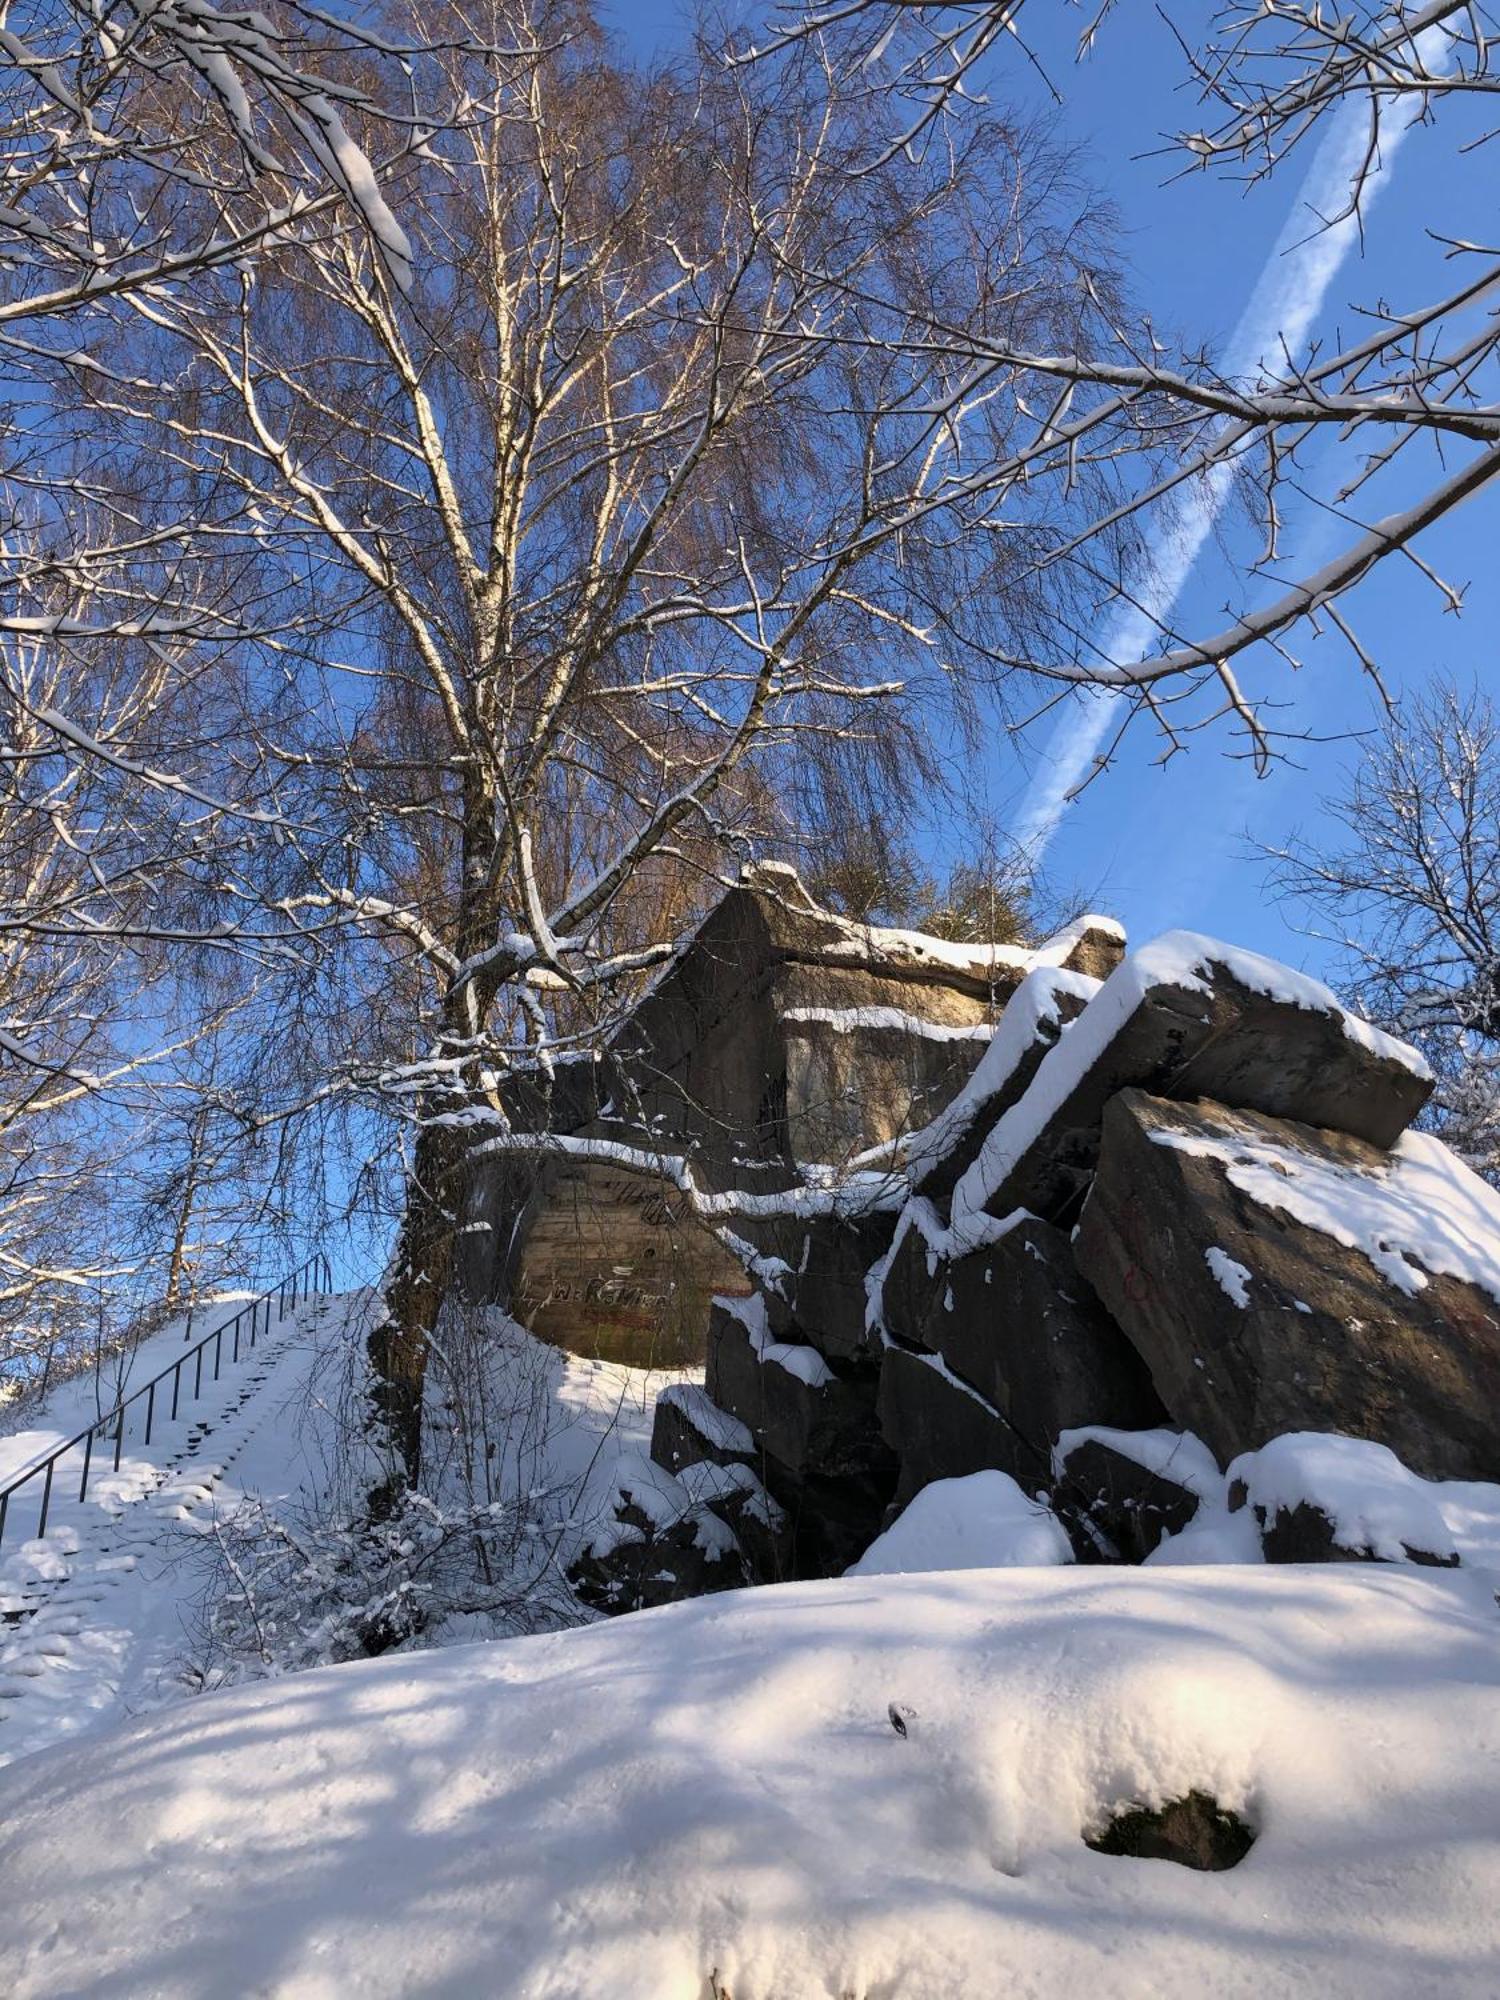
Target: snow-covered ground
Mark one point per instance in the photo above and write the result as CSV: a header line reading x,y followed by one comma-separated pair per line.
x,y
712,1798
100,1614
103,1617
715,1801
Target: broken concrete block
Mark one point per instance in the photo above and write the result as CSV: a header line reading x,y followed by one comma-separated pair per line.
x,y
1034,1018
689,1427
1276,1279
801,1413
1187,1018
661,1546
1122,1492
940,1428
1016,1321
1323,1498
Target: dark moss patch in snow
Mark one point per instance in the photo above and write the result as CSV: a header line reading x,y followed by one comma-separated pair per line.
x,y
1196,1831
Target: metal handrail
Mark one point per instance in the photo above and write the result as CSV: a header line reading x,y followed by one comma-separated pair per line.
x,y
306,1276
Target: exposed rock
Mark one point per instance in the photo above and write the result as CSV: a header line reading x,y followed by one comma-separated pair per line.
x,y
1017,1322
830,1258
1254,1323
690,1427
1187,1018
939,1428
1121,1494
1321,1498
802,1414
1195,1831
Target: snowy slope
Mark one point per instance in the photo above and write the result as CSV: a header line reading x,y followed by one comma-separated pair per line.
x,y
103,1617
100,1614
716,1789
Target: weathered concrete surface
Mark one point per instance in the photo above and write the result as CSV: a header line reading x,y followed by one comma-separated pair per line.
x,y
1323,1341
612,1265
1017,1321
1232,1044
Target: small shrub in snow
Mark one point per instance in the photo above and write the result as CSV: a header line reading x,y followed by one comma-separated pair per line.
x,y
293,1594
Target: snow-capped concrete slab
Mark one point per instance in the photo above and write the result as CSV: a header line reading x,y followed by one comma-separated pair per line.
x,y
1278,1279
1035,1016
1188,1017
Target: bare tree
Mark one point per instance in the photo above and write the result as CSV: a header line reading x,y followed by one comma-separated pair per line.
x,y
564,551
1413,898
1413,402
144,146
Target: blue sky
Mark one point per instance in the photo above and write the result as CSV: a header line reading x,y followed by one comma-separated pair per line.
x,y
1166,846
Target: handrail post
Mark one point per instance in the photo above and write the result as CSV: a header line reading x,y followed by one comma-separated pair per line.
x,y
41,1526
119,1436
150,1408
176,1386
218,1351
237,1318
88,1459
198,1369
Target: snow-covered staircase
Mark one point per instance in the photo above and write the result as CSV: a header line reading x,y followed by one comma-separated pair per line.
x,y
97,1613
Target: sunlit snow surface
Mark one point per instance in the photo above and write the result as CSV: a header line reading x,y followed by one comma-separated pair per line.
x,y
626,1809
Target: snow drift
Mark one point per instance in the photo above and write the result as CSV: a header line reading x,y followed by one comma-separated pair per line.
x,y
712,1797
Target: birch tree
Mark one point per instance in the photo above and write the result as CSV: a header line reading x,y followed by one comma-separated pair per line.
x,y
142,146
567,547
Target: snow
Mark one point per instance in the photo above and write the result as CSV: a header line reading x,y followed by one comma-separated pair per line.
x,y
715,1426
854,1020
977,961
984,1521
708,1484
1233,1279
795,1357
1033,1009
111,1603
1418,1211
1182,959
103,1611
714,1793
664,1500
1373,1502
1378,1504
1176,1455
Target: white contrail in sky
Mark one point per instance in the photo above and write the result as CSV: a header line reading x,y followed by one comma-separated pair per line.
x,y
1282,311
